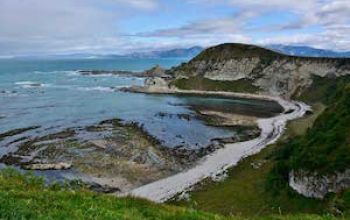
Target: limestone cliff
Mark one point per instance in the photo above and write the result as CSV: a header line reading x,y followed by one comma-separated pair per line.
x,y
271,72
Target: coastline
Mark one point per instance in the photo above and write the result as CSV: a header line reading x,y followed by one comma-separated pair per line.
x,y
216,163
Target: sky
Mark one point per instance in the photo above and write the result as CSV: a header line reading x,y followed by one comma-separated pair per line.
x,y
42,27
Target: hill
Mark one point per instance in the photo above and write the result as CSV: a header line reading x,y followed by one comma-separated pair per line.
x,y
311,159
318,162
255,68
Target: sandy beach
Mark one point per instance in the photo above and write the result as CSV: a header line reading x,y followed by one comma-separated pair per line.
x,y
216,163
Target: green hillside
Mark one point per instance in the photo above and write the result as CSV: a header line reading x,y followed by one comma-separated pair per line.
x,y
235,50
23,196
320,142
325,148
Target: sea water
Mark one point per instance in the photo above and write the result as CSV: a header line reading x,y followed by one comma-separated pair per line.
x,y
51,93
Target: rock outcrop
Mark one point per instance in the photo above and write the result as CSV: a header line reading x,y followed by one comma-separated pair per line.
x,y
156,71
272,72
317,186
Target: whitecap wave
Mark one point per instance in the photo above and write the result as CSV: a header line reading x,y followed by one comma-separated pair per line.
x,y
72,73
97,88
31,84
25,83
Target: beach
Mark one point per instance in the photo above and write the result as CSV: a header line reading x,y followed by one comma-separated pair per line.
x,y
216,163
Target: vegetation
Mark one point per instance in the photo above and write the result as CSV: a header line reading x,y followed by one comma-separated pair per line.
x,y
323,89
235,50
324,149
24,196
201,83
244,192
258,184
301,125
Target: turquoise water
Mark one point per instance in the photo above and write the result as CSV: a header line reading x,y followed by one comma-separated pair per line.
x,y
53,95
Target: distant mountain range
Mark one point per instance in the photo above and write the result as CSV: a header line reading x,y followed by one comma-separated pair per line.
x,y
191,52
307,51
173,53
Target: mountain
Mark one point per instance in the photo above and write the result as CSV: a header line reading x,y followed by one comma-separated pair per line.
x,y
173,53
307,51
248,68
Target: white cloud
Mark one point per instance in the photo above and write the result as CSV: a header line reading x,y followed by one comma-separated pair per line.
x,y
330,16
141,4
68,26
53,26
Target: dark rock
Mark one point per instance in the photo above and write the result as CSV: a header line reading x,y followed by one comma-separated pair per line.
x,y
103,188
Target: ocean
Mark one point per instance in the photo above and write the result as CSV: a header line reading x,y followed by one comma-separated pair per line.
x,y
52,95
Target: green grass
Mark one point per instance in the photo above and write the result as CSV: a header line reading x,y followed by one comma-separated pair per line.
x,y
205,84
244,192
325,148
300,126
247,191
322,89
23,196
26,197
235,51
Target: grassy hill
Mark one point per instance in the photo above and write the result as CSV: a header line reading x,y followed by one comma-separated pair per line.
x,y
229,51
235,50
325,148
249,68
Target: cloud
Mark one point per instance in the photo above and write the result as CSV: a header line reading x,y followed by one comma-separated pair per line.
x,y
69,26
141,4
53,26
331,17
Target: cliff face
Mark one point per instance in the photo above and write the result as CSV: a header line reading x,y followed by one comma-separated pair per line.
x,y
271,72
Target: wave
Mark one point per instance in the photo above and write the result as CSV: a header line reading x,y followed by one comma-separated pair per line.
x,y
31,84
72,73
97,88
67,72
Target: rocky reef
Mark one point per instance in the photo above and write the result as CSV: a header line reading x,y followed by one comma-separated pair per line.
x,y
111,154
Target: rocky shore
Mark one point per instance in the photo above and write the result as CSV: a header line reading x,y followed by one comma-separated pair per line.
x,y
156,71
216,163
113,154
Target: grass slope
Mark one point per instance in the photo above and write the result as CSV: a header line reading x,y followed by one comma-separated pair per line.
x,y
23,196
205,84
235,50
26,197
325,148
320,140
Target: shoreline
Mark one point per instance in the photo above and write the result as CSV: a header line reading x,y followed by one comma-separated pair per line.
x,y
218,162
159,90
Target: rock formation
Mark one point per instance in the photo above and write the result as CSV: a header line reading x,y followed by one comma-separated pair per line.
x,y
273,73
317,186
